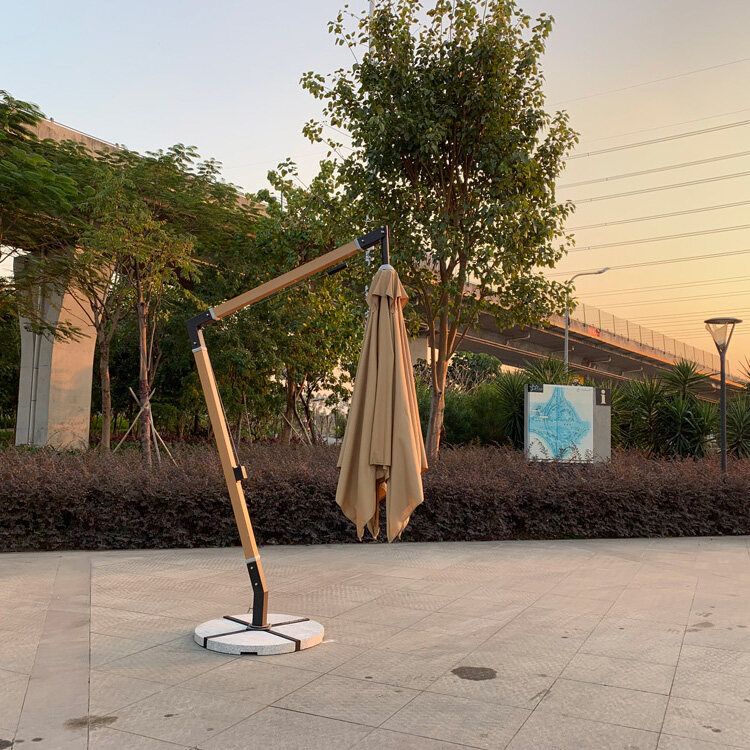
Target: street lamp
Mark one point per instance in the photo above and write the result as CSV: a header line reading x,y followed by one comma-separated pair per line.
x,y
721,330
567,309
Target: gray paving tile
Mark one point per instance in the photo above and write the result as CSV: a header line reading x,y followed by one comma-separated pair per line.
x,y
560,732
323,658
105,648
166,664
458,720
106,738
636,639
252,679
380,614
624,673
670,742
715,687
356,633
109,692
343,698
184,716
629,708
279,728
715,660
12,692
382,739
150,628
710,722
416,671
508,687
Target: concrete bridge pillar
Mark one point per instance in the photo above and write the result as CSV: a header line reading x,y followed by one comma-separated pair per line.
x,y
54,393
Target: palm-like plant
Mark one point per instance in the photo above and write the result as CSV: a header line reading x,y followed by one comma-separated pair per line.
x,y
550,370
640,421
738,426
685,426
508,392
684,379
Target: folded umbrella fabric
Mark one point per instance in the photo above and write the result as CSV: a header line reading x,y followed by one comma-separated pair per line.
x,y
382,455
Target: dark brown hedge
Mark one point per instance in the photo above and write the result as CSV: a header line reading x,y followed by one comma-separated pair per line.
x,y
80,501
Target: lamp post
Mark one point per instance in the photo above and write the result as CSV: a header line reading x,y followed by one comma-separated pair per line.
x,y
567,309
721,330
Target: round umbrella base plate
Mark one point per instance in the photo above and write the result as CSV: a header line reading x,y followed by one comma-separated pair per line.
x,y
234,634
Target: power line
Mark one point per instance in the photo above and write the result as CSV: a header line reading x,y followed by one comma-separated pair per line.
x,y
666,261
660,216
664,127
677,316
655,80
687,284
662,237
663,139
667,168
658,188
669,300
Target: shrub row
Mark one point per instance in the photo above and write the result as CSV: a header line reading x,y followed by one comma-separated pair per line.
x,y
52,501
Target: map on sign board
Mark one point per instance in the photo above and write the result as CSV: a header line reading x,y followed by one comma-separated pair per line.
x,y
559,423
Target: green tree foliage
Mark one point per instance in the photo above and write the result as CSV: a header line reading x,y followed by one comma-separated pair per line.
x,y
453,148
39,192
314,329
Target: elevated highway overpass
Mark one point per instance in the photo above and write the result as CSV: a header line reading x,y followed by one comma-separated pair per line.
x,y
602,346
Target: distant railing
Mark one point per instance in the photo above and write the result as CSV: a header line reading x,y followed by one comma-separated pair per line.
x,y
599,320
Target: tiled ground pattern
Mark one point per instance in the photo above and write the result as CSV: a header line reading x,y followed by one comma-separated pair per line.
x,y
581,645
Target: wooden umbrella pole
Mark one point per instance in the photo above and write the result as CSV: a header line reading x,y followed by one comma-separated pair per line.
x,y
234,472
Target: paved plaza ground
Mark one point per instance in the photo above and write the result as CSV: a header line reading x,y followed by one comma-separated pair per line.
x,y
581,644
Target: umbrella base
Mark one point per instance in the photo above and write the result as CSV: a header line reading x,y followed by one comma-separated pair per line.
x,y
234,634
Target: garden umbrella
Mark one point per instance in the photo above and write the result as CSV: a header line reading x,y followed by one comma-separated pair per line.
x,y
382,454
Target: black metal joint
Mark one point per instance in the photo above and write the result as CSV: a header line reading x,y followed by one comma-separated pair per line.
x,y
240,473
371,238
195,324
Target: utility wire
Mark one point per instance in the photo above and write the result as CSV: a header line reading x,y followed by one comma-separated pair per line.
x,y
666,168
666,261
669,300
658,188
677,316
656,80
702,209
663,139
685,285
664,127
660,238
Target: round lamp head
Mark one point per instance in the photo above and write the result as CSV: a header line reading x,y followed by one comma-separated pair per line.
x,y
721,330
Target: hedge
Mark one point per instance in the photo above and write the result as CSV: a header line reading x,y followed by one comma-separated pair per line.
x,y
55,501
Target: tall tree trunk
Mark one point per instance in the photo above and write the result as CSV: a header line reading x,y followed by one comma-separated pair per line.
x,y
104,445
437,408
310,420
291,408
143,383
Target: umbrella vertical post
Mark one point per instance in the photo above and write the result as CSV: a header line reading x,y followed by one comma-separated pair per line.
x,y
234,473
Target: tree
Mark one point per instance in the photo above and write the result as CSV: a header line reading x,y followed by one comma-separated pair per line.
x,y
39,193
312,328
453,148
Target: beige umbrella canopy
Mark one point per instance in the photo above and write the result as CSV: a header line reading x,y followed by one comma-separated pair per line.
x,y
383,454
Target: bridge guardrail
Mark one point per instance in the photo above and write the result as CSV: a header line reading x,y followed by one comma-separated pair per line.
x,y
593,317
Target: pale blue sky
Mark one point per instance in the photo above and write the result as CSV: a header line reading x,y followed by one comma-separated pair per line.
x,y
224,76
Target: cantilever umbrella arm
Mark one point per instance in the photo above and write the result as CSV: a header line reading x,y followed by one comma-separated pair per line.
x,y
233,470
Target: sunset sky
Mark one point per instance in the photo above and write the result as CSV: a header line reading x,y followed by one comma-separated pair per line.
x,y
224,76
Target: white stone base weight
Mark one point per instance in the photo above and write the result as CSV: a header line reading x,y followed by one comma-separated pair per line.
x,y
233,634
